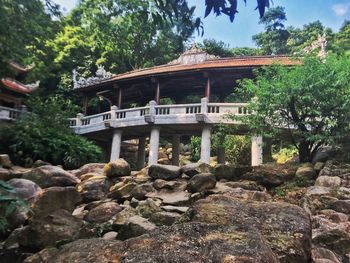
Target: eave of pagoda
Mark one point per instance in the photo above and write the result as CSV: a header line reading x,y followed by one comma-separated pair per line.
x,y
18,87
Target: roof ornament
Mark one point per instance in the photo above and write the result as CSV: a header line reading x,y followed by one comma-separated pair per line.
x,y
320,43
101,75
194,55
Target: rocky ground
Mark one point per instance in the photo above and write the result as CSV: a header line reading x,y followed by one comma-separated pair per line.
x,y
196,213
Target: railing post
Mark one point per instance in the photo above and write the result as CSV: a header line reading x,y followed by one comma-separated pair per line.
x,y
152,107
204,105
114,108
24,111
79,117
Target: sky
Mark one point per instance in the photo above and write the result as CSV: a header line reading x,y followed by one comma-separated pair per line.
x,y
331,13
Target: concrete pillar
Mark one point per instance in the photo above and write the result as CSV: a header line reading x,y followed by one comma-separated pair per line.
x,y
257,150
176,150
221,154
116,144
141,153
154,146
204,105
205,145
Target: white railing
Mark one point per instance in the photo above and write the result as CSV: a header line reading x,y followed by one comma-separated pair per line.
x,y
7,113
228,108
178,109
159,114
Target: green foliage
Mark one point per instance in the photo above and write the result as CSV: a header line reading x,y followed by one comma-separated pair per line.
x,y
285,154
9,202
166,101
44,135
290,186
311,101
192,99
195,145
274,39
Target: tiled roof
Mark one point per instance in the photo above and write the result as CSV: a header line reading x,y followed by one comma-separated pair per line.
x,y
18,86
240,62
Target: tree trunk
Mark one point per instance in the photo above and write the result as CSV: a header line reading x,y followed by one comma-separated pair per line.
x,y
304,152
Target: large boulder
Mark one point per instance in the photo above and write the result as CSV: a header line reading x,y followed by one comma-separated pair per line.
x,y
55,198
328,181
89,168
103,212
117,168
25,189
93,189
306,172
192,169
147,208
271,176
5,174
231,173
140,191
201,182
337,240
135,226
122,192
191,242
5,161
286,228
48,176
47,231
165,172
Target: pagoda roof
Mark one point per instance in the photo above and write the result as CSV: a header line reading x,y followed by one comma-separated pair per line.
x,y
19,87
192,60
20,68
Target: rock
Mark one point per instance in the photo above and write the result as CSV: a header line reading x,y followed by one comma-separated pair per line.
x,y
165,172
55,198
342,206
123,217
287,228
177,209
135,226
110,235
321,156
172,198
5,174
25,189
92,177
48,176
306,172
44,255
140,191
118,168
231,173
147,208
47,231
317,190
319,253
270,176
162,184
92,190
191,242
5,161
318,166
246,185
103,212
328,181
39,163
122,193
164,218
336,240
201,182
192,169
96,168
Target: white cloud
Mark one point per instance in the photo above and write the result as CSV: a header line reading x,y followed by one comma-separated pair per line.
x,y
341,9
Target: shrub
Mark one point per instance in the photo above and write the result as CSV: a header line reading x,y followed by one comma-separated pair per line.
x,y
285,154
44,134
195,148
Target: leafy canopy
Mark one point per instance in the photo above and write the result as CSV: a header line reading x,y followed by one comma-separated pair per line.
x,y
311,102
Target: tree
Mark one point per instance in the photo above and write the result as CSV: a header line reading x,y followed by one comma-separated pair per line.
x,y
25,25
310,101
229,7
274,40
342,39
